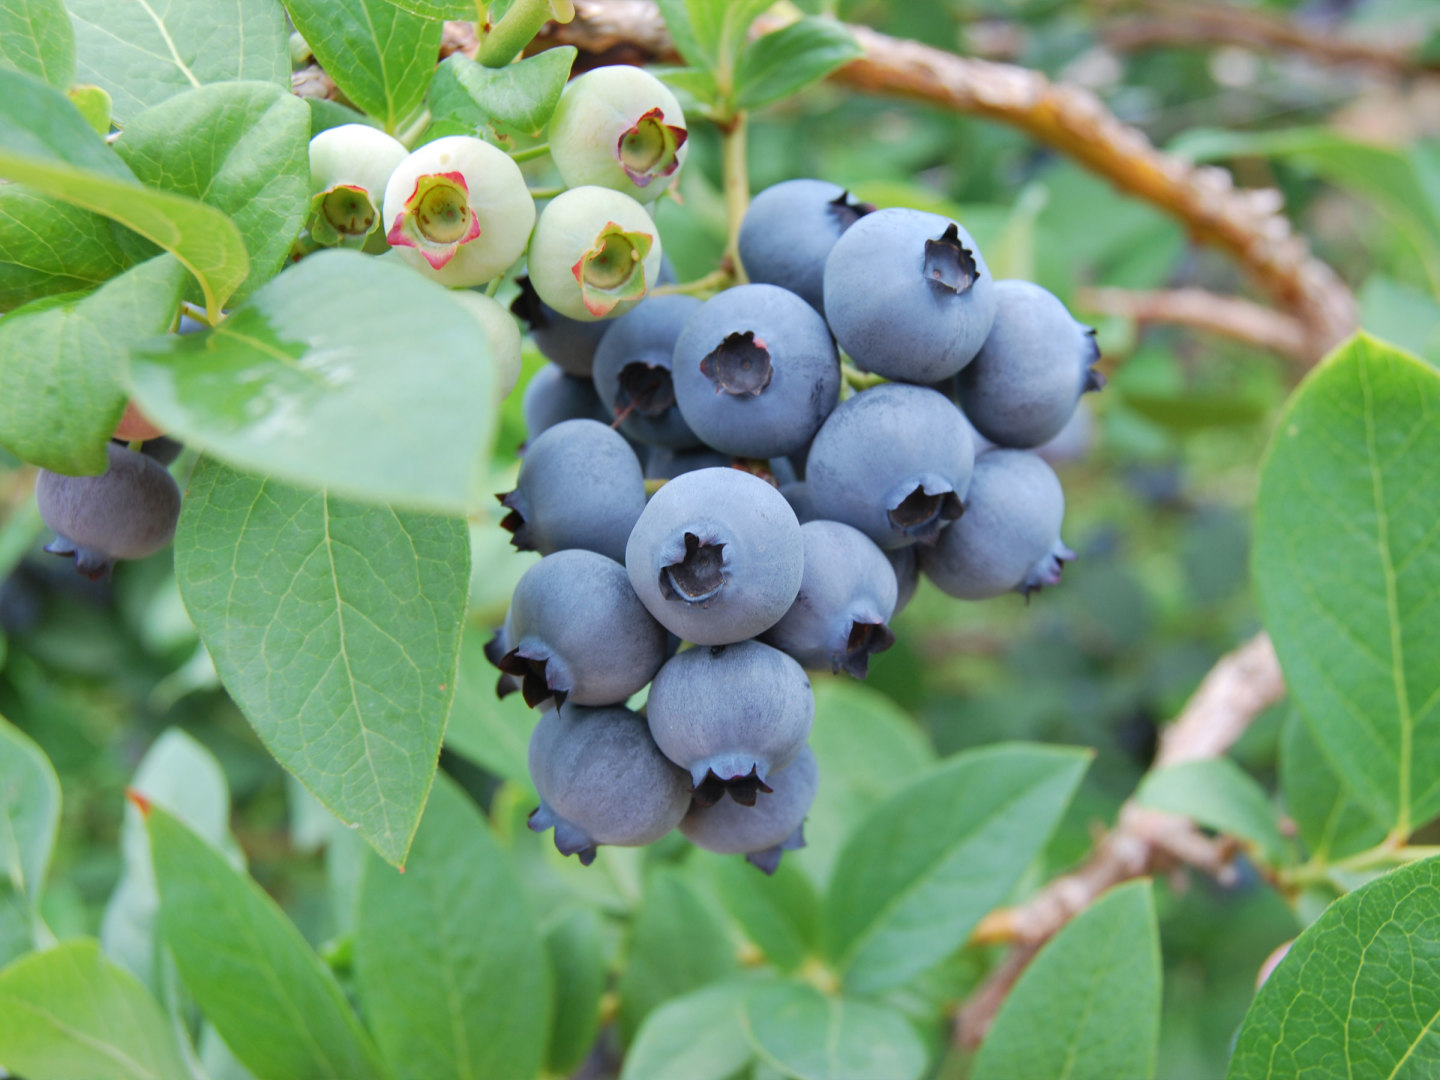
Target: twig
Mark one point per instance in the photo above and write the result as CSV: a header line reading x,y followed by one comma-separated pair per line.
x,y
1237,689
1228,316
1249,225
1187,24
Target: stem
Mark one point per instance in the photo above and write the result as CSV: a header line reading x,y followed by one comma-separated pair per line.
x,y
530,153
860,380
1386,853
503,41
494,286
712,282
547,192
737,188
414,129
652,486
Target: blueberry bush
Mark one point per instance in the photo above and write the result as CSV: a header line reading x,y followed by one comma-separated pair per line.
x,y
459,461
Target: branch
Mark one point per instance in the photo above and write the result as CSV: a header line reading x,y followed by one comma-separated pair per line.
x,y
1187,24
1227,316
1249,225
1241,686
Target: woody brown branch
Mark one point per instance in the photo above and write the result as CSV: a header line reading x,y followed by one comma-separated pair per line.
x,y
1185,24
1247,224
1240,686
1229,316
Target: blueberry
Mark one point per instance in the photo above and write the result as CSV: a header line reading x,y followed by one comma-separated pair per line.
x,y
894,462
595,253
908,295
731,716
666,463
1009,538
619,127
601,780
163,449
568,343
716,557
632,371
789,229
847,595
552,397
127,512
350,164
764,832
1027,378
756,371
797,494
578,633
458,210
580,487
907,574
495,650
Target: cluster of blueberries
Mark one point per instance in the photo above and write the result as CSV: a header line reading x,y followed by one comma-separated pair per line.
x,y
789,522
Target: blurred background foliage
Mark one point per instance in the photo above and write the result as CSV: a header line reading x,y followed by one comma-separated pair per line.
x,y
1160,476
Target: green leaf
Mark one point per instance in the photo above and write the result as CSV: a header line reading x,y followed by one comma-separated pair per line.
x,y
183,777
68,1013
779,64
575,946
245,152
346,372
48,247
29,818
500,103
1402,315
1219,795
491,732
1088,1006
61,393
1352,998
779,912
335,626
47,144
678,942
449,965
1346,559
36,37
94,105
699,1036
810,1036
143,53
682,32
1332,822
381,56
269,996
866,747
918,874
439,9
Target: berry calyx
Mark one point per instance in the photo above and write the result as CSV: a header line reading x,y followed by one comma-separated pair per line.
x,y
949,263
437,218
613,271
649,150
739,365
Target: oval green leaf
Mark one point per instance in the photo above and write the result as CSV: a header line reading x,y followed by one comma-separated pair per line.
x,y
1332,822
29,819
699,1036
1354,996
347,372
922,869
1347,553
1219,795
336,628
1088,1006
36,37
810,1036
575,945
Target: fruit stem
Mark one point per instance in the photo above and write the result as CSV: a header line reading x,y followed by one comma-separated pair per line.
x,y
546,192
501,42
713,282
1384,854
530,153
412,131
860,380
652,486
737,186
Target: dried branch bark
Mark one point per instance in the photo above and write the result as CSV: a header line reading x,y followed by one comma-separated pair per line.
x,y
1248,224
1240,686
1229,316
1185,24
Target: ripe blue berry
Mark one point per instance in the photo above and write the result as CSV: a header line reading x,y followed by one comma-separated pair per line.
x,y
127,512
756,372
552,397
666,463
619,127
907,574
788,231
577,632
632,371
797,494
908,295
601,780
568,343
847,595
1026,380
1009,538
594,254
765,831
716,557
731,716
894,462
579,487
